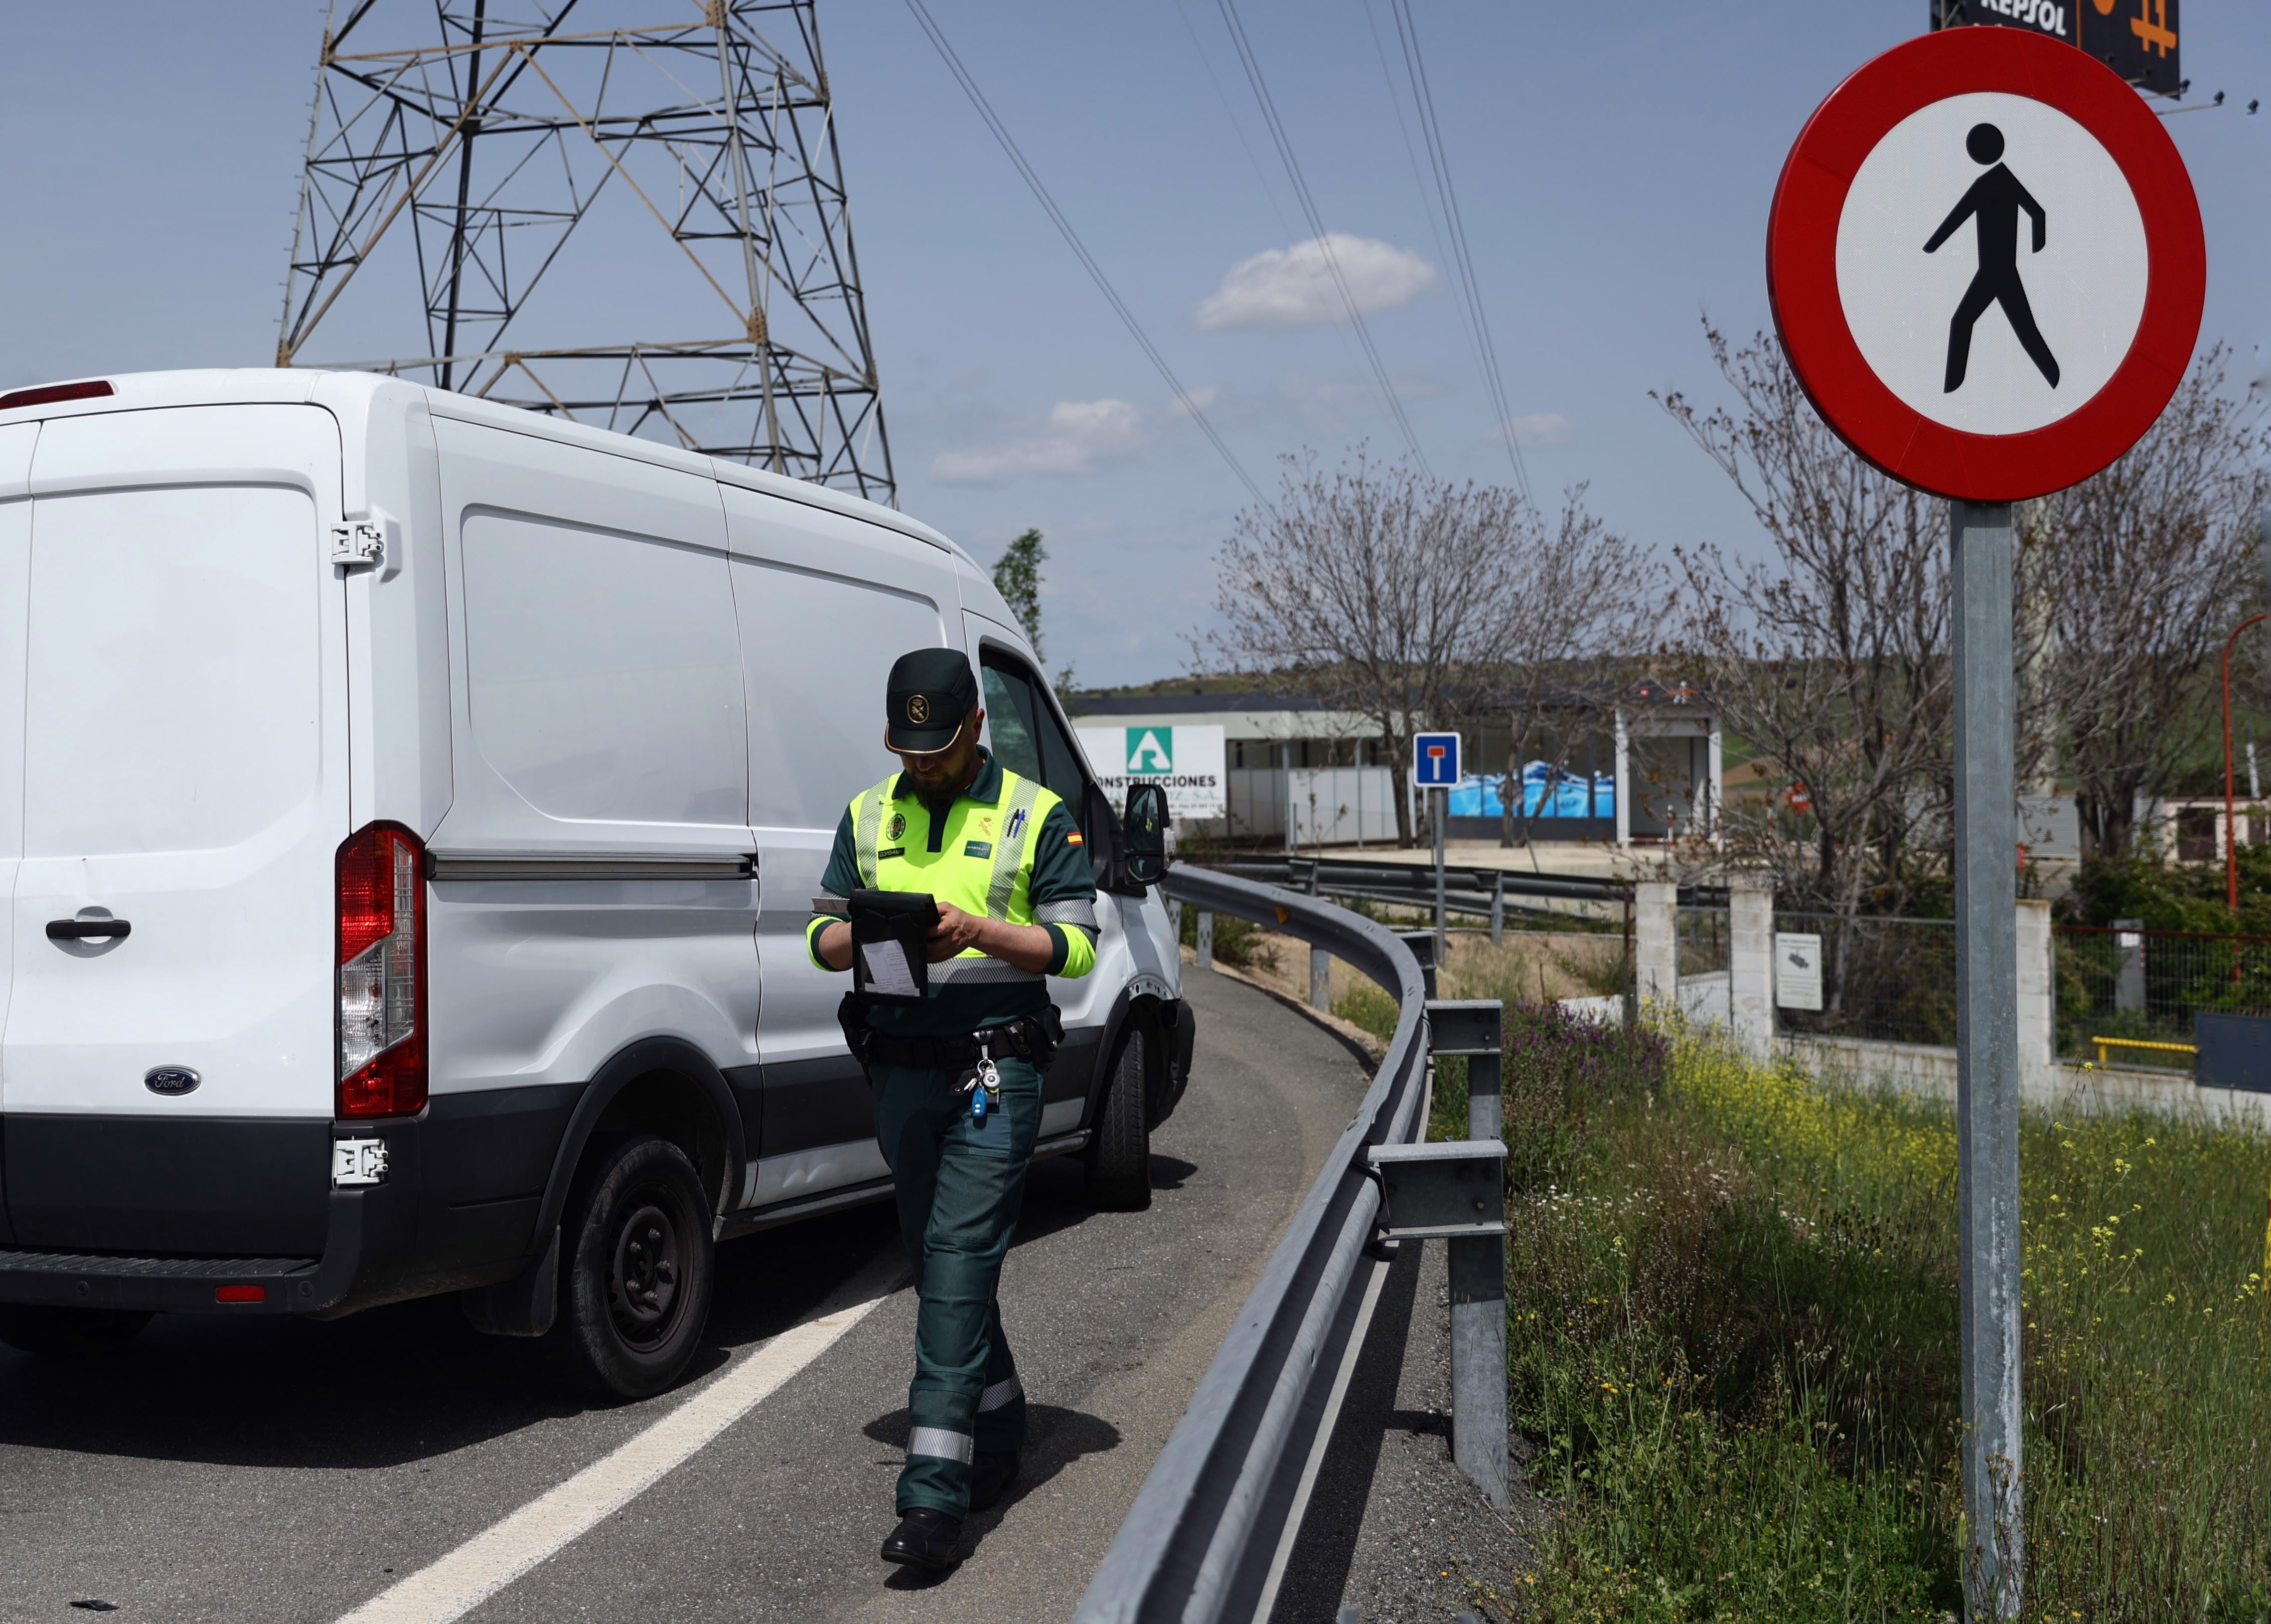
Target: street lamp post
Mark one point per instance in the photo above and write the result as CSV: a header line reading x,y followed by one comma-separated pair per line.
x,y
2231,824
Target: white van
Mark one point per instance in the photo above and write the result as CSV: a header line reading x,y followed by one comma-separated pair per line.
x,y
411,808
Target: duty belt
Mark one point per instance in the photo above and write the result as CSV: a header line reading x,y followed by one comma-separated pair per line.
x,y
1033,1038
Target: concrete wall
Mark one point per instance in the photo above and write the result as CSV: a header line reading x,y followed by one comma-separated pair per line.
x,y
1741,998
1926,1072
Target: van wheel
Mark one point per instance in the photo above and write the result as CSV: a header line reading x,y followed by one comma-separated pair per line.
x,y
68,1331
638,1268
1119,1156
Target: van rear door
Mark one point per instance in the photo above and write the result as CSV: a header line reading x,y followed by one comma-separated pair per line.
x,y
168,1088
16,442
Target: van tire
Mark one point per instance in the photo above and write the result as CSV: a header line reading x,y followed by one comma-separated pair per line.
x,y
638,1268
1119,1154
69,1332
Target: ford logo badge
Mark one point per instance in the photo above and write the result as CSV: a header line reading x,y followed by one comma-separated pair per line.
x,y
170,1079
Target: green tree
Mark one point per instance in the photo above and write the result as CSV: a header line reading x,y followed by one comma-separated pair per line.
x,y
1017,578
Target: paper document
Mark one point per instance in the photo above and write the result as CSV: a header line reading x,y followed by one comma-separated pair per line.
x,y
888,970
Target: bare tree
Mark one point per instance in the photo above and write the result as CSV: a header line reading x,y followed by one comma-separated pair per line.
x,y
2149,565
1832,654
1584,599
1386,593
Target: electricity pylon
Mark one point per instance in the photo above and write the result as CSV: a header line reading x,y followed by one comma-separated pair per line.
x,y
658,168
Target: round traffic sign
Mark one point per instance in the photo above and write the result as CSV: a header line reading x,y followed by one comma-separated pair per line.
x,y
1986,263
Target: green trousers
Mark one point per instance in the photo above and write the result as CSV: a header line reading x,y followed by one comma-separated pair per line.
x,y
961,1184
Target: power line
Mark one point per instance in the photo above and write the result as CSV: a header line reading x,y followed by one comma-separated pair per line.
x,y
1079,249
1407,32
1253,66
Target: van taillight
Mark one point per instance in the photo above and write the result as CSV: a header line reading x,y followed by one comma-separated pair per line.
x,y
381,964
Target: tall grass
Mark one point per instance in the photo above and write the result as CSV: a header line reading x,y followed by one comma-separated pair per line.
x,y
1733,1339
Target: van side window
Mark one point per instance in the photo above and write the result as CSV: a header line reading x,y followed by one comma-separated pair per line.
x,y
1026,737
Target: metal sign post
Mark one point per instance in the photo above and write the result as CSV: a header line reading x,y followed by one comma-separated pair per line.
x,y
1922,202
1987,1050
1435,767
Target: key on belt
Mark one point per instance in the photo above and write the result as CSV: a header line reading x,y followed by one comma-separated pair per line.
x,y
984,1088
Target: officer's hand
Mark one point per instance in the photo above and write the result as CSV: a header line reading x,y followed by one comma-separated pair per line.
x,y
954,932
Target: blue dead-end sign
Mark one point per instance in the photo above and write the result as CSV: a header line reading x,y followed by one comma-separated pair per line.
x,y
1434,760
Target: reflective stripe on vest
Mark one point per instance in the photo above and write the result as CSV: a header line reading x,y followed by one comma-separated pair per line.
x,y
867,824
1009,850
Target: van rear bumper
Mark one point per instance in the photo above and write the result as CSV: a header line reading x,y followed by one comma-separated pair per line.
x,y
114,1213
194,1285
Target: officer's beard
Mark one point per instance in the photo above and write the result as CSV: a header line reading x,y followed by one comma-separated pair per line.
x,y
938,781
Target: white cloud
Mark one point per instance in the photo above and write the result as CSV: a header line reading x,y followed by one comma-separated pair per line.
x,y
1293,287
1540,428
1076,435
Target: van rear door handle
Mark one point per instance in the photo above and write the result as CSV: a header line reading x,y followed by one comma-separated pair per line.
x,y
86,929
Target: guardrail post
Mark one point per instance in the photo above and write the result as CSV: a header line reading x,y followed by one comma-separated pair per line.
x,y
1320,980
1422,944
1474,1029
1206,939
1498,912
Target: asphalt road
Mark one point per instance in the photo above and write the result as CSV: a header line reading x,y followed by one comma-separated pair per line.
x,y
286,1471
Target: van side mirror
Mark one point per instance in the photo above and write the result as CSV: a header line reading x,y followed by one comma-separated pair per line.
x,y
1144,830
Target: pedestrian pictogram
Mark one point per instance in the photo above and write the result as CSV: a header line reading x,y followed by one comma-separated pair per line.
x,y
2025,353
1994,203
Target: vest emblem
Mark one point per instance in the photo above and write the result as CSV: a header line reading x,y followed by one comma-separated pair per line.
x,y
897,826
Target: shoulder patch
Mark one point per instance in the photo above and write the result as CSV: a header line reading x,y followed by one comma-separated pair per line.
x,y
1073,839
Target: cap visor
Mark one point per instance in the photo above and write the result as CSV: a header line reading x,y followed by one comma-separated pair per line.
x,y
922,741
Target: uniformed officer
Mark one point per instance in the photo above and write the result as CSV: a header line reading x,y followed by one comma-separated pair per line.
x,y
957,1081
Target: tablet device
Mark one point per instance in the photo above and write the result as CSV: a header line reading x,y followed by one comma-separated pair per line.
x,y
891,948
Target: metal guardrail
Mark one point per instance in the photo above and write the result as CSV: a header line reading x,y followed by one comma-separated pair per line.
x,y
1207,1536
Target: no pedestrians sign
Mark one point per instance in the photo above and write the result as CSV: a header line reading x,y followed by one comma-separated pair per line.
x,y
1986,263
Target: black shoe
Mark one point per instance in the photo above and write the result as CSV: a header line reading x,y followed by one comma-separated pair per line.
x,y
924,1538
990,1477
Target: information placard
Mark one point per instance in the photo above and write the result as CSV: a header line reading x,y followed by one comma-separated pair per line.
x,y
1797,970
1185,761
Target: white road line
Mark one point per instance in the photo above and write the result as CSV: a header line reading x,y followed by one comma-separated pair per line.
x,y
484,1564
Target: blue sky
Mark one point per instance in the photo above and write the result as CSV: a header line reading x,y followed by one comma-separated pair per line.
x,y
1614,163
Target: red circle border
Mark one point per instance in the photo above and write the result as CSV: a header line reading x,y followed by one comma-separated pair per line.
x,y
1810,316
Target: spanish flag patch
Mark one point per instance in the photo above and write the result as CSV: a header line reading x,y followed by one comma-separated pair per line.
x,y
1073,839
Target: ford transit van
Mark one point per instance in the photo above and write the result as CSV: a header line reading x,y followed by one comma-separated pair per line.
x,y
410,808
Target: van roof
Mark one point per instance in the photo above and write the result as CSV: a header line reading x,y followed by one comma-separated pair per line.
x,y
230,386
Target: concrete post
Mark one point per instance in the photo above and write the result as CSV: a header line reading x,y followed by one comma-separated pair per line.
x,y
1320,980
1206,939
1655,942
2038,996
1750,961
2129,981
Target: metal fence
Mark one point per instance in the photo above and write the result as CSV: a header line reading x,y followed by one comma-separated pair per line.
x,y
1893,980
1702,933
2138,990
